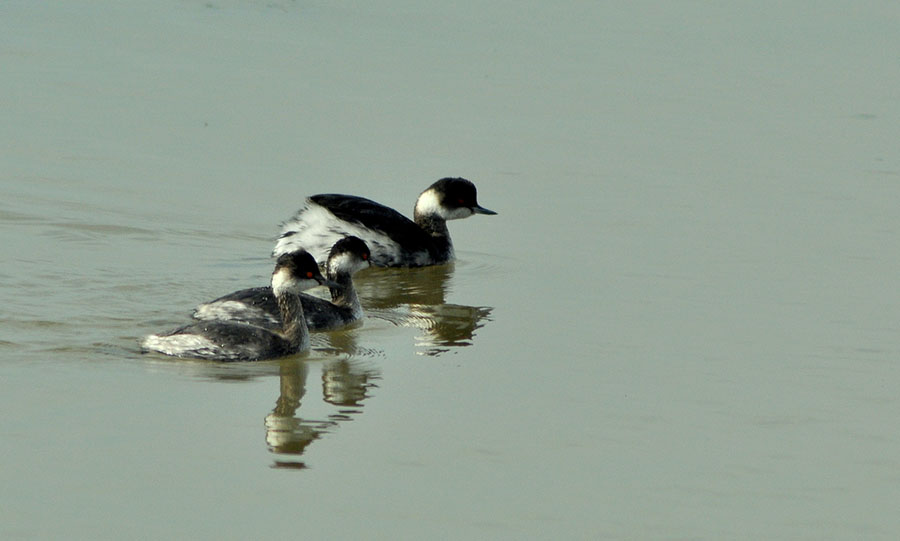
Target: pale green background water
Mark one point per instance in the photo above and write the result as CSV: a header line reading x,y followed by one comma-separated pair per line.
x,y
683,323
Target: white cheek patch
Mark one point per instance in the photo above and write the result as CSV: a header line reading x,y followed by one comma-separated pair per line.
x,y
309,283
342,262
282,282
458,213
429,203
361,264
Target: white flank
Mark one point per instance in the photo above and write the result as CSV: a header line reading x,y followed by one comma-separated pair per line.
x,y
231,310
198,346
181,344
316,229
309,229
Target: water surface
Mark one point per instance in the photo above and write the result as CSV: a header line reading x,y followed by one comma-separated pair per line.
x,y
681,324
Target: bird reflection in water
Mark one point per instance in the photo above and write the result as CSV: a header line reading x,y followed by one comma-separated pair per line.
x,y
416,298
287,434
403,297
345,384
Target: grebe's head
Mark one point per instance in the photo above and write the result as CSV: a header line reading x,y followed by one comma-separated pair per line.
x,y
450,199
348,255
296,271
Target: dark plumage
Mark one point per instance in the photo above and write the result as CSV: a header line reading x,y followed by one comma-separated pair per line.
x,y
394,239
257,305
233,341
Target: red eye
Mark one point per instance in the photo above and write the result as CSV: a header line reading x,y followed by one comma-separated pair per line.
x,y
365,256
309,274
461,201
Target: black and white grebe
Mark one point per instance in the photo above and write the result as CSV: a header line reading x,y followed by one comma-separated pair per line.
x,y
394,239
233,341
257,305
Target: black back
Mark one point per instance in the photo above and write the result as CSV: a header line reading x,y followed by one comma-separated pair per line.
x,y
375,216
319,313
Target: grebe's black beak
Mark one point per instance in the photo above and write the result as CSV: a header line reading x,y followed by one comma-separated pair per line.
x,y
328,283
481,210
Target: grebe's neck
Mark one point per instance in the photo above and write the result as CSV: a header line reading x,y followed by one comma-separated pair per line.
x,y
294,327
436,226
345,294
429,214
432,224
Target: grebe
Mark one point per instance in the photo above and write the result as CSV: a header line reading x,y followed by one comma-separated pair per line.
x,y
257,305
233,341
394,239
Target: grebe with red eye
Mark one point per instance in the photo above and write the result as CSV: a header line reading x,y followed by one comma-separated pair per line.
x,y
257,305
233,341
394,239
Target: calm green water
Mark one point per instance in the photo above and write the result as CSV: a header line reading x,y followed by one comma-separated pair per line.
x,y
683,323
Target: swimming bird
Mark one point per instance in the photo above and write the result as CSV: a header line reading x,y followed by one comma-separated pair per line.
x,y
233,341
394,239
257,305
